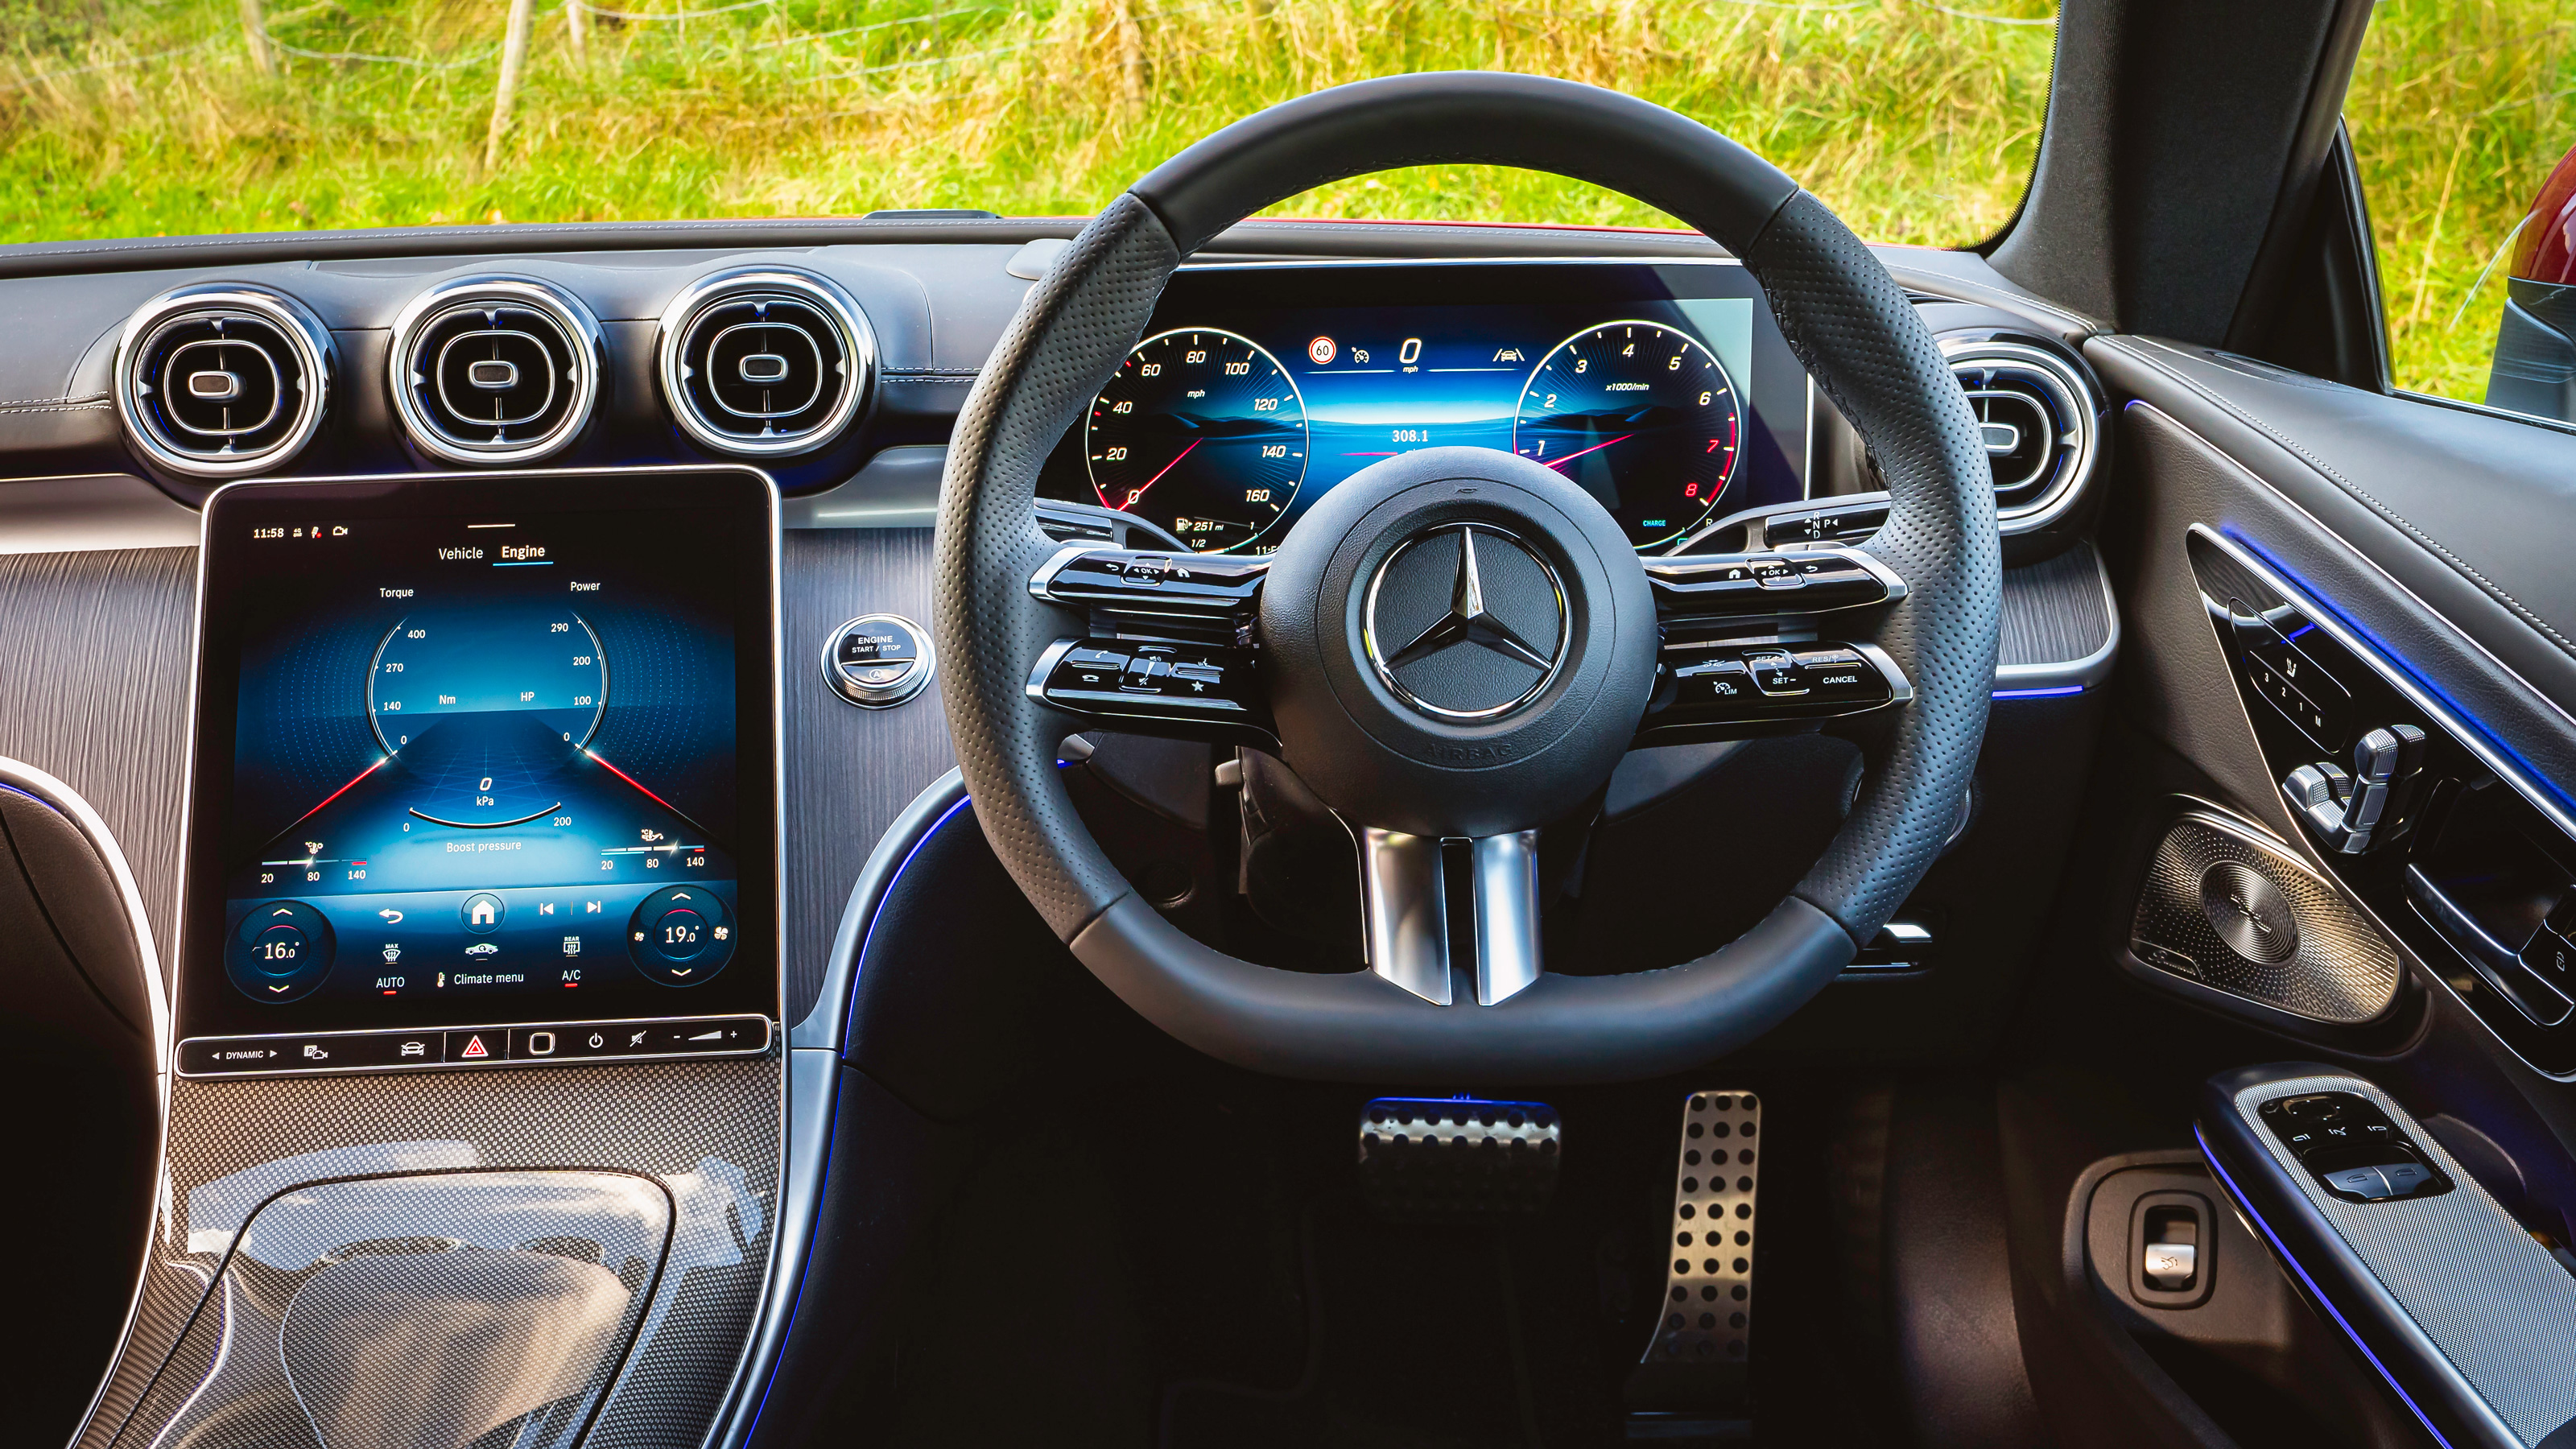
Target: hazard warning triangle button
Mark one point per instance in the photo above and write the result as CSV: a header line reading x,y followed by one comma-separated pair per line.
x,y
470,1046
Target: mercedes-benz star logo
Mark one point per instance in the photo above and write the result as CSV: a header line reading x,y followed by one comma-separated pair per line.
x,y
1493,648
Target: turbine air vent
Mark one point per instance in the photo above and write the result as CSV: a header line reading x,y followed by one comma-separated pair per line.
x,y
495,370
2039,416
764,362
222,380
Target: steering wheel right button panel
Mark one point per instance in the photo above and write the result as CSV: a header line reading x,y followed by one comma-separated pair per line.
x,y
680,935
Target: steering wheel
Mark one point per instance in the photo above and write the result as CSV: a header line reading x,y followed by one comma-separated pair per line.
x,y
1458,642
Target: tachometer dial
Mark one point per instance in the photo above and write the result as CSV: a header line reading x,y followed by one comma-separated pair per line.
x,y
1640,416
1203,432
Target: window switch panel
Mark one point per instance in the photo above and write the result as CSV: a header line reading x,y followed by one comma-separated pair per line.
x,y
2352,1148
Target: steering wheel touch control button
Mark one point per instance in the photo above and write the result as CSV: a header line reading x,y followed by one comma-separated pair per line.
x,y
279,952
1748,683
877,661
1170,681
681,935
1699,585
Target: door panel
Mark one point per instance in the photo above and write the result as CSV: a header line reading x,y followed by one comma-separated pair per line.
x,y
2404,562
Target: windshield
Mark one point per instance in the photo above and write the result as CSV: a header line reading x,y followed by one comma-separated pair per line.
x,y
1916,121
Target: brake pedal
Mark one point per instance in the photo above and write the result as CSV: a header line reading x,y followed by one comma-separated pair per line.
x,y
1434,1157
1708,1292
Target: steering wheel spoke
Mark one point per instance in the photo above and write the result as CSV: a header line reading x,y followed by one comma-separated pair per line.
x,y
1759,643
1404,912
1168,644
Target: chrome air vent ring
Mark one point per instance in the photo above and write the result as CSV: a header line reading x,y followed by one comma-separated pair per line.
x,y
2041,417
765,361
222,380
491,370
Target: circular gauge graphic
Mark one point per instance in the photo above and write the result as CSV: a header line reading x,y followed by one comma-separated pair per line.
x,y
1640,416
1203,432
482,705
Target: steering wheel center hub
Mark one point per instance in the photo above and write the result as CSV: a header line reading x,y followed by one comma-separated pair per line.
x,y
1460,643
1465,622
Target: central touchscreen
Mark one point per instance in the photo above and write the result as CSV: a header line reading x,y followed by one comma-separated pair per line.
x,y
470,754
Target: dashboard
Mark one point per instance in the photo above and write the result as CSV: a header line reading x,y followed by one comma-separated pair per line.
x,y
1665,391
834,357
482,756
453,572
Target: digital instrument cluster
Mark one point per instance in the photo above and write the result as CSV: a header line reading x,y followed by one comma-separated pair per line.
x,y
470,754
1664,391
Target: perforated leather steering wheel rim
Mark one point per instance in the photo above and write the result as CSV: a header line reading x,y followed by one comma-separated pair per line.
x,y
1847,321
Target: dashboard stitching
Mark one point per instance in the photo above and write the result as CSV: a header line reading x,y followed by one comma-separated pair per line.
x,y
56,405
2321,466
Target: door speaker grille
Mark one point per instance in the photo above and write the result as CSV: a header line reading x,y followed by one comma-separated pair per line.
x,y
2227,906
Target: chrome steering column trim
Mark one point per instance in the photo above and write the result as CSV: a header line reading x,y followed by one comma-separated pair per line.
x,y
1507,916
1404,910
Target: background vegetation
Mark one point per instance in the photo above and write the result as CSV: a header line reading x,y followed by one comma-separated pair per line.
x,y
1917,120
2458,109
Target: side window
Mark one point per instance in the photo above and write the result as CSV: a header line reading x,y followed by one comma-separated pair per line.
x,y
2463,120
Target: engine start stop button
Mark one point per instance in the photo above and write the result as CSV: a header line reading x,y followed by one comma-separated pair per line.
x,y
878,660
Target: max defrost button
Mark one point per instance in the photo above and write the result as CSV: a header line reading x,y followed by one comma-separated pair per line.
x,y
680,935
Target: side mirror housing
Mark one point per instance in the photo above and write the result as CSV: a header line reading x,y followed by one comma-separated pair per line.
x,y
2534,372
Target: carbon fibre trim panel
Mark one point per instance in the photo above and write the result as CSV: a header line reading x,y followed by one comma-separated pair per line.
x,y
2486,1298
708,1133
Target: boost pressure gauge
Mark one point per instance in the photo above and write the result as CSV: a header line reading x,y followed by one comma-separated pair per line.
x,y
480,706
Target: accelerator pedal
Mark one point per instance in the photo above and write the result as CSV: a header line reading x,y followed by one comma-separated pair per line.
x,y
1433,1159
1694,1384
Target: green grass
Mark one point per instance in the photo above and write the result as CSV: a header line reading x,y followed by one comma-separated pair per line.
x,y
1919,123
2458,109
147,117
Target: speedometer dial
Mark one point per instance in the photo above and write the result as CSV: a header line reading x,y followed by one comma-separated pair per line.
x,y
1202,432
1643,418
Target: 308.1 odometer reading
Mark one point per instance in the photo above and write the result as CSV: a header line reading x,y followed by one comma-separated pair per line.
x,y
1202,432
1640,416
